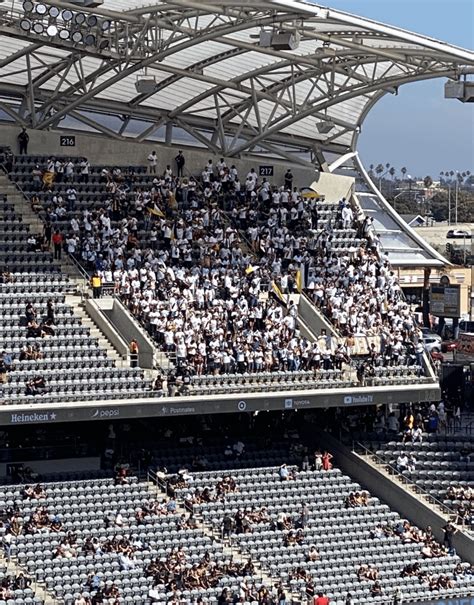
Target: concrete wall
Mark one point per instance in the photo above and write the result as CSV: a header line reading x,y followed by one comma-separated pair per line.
x,y
97,308
56,466
396,496
128,328
315,320
100,149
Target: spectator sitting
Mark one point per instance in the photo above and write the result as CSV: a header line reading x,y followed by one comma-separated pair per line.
x,y
417,435
285,473
34,493
376,590
121,476
36,386
411,463
402,462
367,572
313,554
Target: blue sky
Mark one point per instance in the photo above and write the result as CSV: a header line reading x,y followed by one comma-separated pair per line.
x,y
418,128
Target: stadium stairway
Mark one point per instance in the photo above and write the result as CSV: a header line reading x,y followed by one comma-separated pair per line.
x,y
409,501
35,225
41,595
230,548
77,303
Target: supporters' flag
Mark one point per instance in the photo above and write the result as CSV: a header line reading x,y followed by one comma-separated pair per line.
x,y
278,293
250,269
157,212
309,194
299,280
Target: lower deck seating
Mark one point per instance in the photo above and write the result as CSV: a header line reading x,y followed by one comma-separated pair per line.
x,y
343,536
444,467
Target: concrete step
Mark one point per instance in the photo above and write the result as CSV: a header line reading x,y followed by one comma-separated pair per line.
x,y
229,548
35,225
76,302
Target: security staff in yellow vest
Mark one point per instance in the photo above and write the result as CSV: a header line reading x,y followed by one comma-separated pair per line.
x,y
96,283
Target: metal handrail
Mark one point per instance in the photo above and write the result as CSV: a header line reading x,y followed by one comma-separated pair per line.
x,y
405,480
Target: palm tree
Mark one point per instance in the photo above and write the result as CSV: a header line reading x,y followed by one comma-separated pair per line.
x,y
427,181
392,172
404,170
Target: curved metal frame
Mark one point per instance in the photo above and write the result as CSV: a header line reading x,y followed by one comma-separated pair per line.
x,y
351,61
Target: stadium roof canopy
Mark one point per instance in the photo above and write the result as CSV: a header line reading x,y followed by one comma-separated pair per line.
x,y
216,69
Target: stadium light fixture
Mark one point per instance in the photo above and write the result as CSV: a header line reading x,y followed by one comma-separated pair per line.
x,y
79,18
65,24
90,40
325,127
77,36
87,3
145,85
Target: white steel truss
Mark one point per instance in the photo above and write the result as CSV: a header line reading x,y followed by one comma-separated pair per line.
x,y
212,77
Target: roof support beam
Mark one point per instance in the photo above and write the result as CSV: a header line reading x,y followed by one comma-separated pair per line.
x,y
199,137
150,130
96,125
31,92
156,57
13,114
350,93
19,54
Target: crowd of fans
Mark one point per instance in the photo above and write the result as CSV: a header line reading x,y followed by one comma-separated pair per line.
x,y
10,583
176,574
213,247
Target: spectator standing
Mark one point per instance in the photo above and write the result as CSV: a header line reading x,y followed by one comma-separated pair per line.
x,y
321,599
96,283
85,169
152,162
134,350
57,244
397,597
37,175
69,170
180,161
449,531
47,233
23,140
289,180
7,546
326,459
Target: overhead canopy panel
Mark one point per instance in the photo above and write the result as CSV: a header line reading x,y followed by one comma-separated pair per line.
x,y
279,75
